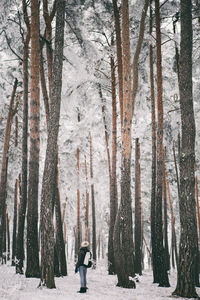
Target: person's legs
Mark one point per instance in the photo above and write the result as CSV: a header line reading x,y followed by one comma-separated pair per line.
x,y
84,277
82,273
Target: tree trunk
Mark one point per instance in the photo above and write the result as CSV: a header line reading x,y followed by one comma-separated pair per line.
x,y
48,18
4,165
174,244
138,212
119,56
188,251
4,256
124,221
197,205
43,85
137,54
160,256
8,236
14,224
33,269
86,204
126,206
166,244
23,200
78,236
153,168
47,231
176,169
59,236
93,205
113,179
48,38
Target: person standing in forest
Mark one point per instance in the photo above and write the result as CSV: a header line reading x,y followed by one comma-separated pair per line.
x,y
84,262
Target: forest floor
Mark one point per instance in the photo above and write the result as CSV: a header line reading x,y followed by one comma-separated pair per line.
x,y
101,286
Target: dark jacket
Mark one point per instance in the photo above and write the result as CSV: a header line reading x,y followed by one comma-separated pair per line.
x,y
81,255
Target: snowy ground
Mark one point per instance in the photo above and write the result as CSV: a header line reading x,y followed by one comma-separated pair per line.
x,y
101,287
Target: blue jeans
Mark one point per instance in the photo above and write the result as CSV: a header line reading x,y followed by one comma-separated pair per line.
x,y
82,273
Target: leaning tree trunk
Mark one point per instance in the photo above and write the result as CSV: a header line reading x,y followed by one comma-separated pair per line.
x,y
3,180
23,200
47,230
188,251
33,269
160,256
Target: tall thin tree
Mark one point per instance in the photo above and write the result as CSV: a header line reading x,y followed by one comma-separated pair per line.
x,y
32,269
14,223
138,211
23,200
188,248
153,138
4,164
162,275
93,204
123,232
113,179
47,230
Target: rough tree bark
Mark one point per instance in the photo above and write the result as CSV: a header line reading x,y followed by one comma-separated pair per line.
x,y
162,275
119,56
166,244
138,212
153,168
126,206
4,164
23,200
123,226
14,223
8,236
47,230
188,248
174,244
59,235
113,178
32,269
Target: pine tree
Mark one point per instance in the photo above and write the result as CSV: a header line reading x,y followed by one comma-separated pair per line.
x,y
188,248
47,231
162,275
23,199
4,165
32,269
